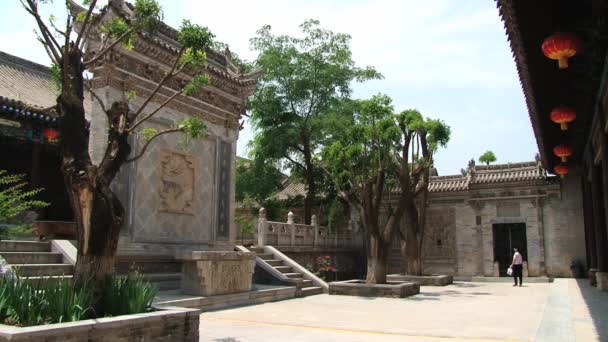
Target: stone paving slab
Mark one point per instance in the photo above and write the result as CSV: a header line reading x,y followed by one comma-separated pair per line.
x,y
462,310
565,310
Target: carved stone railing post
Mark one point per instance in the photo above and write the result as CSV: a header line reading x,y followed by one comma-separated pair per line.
x,y
315,227
262,228
292,228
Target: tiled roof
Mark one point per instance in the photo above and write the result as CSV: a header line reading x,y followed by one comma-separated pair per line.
x,y
27,82
515,172
293,188
448,183
482,174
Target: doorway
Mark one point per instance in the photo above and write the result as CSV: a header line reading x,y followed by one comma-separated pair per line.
x,y
506,237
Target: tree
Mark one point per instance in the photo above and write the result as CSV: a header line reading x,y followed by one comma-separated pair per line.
x,y
291,109
14,200
256,180
98,213
381,152
488,157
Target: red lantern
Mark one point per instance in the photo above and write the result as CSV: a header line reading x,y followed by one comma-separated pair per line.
x,y
561,170
561,46
50,134
563,115
563,151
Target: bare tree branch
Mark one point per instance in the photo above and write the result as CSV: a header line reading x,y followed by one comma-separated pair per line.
x,y
49,40
161,83
84,31
149,115
143,149
109,47
90,90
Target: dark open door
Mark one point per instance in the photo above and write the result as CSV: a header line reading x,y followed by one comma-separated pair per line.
x,y
506,237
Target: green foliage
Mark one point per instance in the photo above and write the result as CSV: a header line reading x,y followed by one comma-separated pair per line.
x,y
49,302
337,213
487,158
193,58
196,84
148,14
14,199
296,106
195,37
131,94
129,295
56,75
118,27
192,128
256,179
371,144
148,132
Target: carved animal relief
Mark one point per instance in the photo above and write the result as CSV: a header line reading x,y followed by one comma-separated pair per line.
x,y
177,182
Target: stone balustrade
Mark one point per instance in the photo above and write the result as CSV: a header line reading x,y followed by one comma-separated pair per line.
x,y
303,235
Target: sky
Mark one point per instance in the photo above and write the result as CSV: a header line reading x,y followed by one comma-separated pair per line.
x,y
448,59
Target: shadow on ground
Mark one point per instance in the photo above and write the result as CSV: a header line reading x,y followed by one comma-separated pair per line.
x,y
597,303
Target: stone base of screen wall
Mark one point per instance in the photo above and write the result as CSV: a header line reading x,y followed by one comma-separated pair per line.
x,y
216,273
360,288
431,280
167,324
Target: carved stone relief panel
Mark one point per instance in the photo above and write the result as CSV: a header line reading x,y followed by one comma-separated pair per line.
x,y
439,235
177,182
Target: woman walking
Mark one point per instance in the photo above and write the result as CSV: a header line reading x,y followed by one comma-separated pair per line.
x,y
517,266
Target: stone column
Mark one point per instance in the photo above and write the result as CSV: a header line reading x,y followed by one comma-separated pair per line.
x,y
599,220
262,226
589,228
539,203
292,229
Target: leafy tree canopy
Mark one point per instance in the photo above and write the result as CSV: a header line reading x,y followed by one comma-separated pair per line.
x,y
256,180
487,158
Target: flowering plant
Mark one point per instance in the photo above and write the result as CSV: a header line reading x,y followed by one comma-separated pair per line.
x,y
324,264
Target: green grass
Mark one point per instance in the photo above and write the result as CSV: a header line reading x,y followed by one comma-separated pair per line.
x,y
129,295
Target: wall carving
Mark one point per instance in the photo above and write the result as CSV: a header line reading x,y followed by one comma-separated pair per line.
x,y
177,182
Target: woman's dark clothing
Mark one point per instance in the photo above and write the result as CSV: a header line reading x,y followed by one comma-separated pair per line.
x,y
517,273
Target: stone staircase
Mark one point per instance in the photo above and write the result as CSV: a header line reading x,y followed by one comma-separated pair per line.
x,y
34,260
307,286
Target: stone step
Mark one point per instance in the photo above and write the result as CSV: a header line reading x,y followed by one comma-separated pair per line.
x,y
283,269
313,290
32,257
307,283
29,270
293,275
24,246
274,262
258,250
41,280
165,281
266,256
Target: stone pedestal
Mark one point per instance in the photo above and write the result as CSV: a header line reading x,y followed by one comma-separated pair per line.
x,y
602,280
216,273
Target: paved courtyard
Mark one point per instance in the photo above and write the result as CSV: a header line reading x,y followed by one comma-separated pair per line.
x,y
565,310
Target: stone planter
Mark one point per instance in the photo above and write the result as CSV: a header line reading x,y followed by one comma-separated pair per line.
x,y
216,273
431,280
360,288
166,324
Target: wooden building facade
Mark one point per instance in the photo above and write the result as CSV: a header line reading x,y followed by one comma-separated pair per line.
x,y
568,26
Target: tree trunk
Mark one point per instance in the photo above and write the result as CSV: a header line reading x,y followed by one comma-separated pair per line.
x,y
98,214
377,260
411,246
310,185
